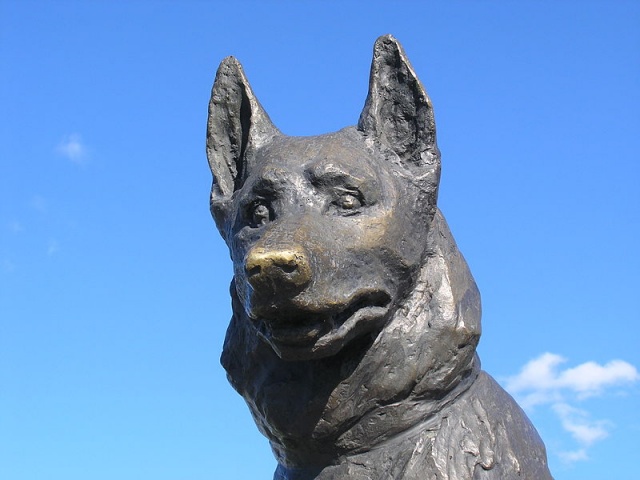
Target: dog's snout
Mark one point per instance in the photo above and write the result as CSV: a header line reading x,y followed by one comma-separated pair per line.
x,y
278,269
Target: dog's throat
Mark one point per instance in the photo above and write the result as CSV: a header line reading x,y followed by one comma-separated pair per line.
x,y
382,428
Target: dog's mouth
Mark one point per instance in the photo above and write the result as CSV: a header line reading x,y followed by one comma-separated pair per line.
x,y
308,334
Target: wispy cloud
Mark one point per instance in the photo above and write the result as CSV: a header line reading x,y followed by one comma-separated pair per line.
x,y
542,382
572,456
15,227
73,148
39,203
577,422
53,247
7,265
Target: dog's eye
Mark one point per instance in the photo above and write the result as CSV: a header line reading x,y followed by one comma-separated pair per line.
x,y
259,214
348,203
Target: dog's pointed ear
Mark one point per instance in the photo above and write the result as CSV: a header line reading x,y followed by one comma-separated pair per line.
x,y
398,112
237,125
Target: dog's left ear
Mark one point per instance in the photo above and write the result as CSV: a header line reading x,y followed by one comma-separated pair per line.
x,y
398,112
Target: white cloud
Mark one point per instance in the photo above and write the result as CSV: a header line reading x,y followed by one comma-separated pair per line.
x,y
590,378
579,455
39,203
7,265
537,375
15,227
53,247
541,382
73,148
577,422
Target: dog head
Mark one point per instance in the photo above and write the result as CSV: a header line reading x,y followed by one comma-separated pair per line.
x,y
326,233
354,314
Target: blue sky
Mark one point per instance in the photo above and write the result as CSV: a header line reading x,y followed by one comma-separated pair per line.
x,y
114,282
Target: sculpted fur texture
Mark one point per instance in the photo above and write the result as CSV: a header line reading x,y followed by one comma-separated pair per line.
x,y
355,317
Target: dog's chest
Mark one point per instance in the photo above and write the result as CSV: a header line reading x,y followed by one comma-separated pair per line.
x,y
409,458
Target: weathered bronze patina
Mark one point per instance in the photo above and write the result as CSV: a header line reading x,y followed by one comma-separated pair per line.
x,y
355,317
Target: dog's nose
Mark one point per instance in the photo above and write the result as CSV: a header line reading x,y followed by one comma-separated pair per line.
x,y
280,270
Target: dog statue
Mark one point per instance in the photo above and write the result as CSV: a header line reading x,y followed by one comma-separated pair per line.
x,y
355,317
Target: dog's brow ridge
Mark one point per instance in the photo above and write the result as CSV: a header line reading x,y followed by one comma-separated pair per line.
x,y
329,173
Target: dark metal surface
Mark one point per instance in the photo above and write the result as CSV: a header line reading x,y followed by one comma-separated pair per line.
x,y
355,317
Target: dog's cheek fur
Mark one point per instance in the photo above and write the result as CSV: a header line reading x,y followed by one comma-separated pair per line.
x,y
425,351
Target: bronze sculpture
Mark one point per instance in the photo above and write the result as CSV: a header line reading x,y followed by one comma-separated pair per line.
x,y
355,317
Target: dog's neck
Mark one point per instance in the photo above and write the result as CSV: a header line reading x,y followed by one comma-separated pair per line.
x,y
376,390
386,431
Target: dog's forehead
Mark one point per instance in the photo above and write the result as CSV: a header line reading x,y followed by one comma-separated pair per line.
x,y
317,156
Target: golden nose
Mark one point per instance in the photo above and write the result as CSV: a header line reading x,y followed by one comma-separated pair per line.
x,y
279,269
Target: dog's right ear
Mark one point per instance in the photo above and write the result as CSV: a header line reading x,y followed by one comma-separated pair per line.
x,y
237,125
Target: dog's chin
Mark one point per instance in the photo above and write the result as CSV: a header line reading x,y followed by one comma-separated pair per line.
x,y
310,335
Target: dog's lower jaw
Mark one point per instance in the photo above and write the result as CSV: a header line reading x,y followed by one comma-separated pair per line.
x,y
308,334
366,320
